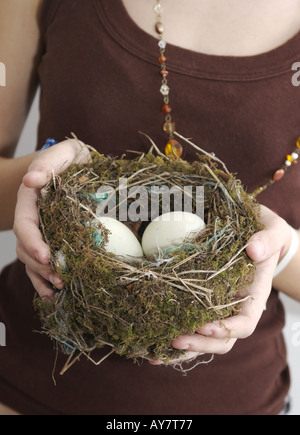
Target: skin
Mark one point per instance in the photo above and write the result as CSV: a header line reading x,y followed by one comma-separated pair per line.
x,y
223,27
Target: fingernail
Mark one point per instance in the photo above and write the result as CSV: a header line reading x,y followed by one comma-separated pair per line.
x,y
48,298
55,280
156,363
181,346
43,258
261,249
207,332
37,257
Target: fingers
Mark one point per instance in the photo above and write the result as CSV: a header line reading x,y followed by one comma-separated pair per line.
x,y
45,271
42,286
264,248
204,345
26,225
187,357
238,327
244,324
31,248
55,160
197,345
219,337
270,241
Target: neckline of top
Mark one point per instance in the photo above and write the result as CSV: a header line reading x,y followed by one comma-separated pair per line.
x,y
117,21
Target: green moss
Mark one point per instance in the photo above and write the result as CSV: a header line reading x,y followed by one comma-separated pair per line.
x,y
100,305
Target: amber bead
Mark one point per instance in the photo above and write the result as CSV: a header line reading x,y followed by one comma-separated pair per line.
x,y
169,127
174,148
291,159
166,109
298,143
279,175
162,59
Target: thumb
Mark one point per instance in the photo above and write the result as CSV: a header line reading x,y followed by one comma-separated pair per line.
x,y
53,161
273,240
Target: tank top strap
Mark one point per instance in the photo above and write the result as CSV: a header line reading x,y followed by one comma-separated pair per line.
x,y
48,11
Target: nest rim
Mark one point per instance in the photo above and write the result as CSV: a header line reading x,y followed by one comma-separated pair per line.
x,y
231,193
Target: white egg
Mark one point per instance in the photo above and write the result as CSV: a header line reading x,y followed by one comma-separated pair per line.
x,y
171,230
121,241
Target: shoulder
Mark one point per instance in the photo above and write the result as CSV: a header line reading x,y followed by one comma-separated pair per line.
x,y
20,7
23,14
48,9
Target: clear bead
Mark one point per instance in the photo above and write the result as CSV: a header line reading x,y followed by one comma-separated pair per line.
x,y
158,8
165,90
162,44
169,127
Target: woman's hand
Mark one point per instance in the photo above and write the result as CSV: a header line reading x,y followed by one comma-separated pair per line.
x,y
264,248
31,249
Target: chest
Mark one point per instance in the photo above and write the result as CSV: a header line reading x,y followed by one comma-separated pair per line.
x,y
243,109
221,27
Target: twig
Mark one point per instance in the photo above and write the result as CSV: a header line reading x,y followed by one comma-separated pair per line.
x,y
210,155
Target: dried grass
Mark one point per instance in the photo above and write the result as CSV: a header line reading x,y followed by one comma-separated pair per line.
x,y
137,308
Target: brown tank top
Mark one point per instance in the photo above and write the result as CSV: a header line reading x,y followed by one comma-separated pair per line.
x,y
99,79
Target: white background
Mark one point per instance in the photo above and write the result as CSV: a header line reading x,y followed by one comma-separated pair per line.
x,y
292,330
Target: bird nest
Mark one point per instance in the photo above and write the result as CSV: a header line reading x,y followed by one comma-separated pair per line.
x,y
138,306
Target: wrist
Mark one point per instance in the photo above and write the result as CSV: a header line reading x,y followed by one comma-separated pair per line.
x,y
286,247
11,174
288,251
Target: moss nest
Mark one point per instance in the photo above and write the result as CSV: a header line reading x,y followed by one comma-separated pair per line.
x,y
138,307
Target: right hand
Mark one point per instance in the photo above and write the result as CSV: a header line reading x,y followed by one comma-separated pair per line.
x,y
31,248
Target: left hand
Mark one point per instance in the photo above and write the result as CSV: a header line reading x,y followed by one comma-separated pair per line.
x,y
32,251
219,338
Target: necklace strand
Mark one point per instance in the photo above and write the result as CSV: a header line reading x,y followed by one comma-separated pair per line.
x,y
173,147
291,159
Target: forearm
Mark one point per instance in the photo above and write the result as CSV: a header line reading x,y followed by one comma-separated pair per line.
x,y
12,172
288,281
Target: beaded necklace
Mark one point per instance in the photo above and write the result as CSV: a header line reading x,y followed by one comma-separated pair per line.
x,y
173,147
